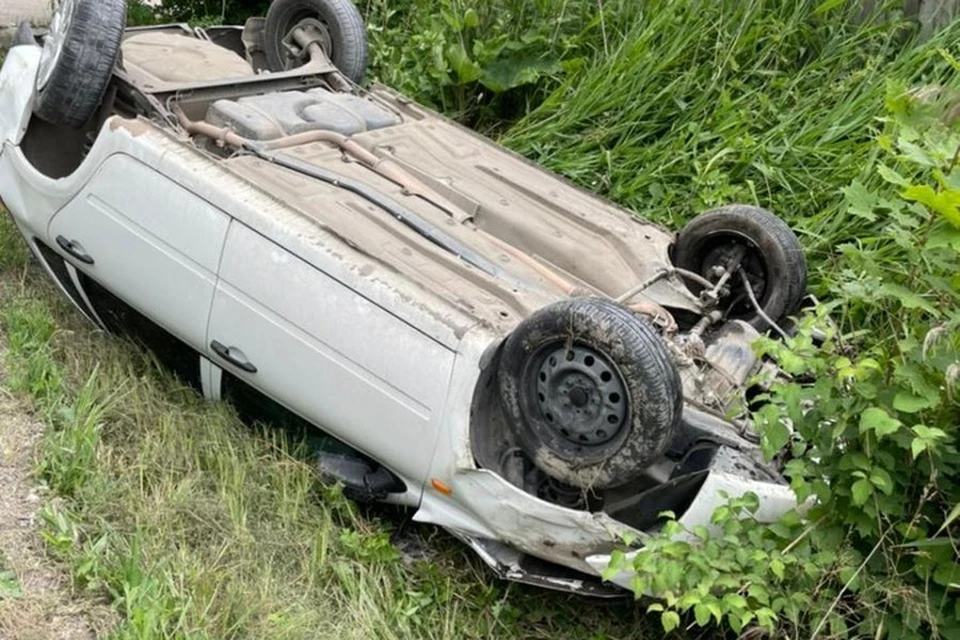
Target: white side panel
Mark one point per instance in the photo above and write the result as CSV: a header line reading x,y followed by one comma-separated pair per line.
x,y
155,245
330,354
17,80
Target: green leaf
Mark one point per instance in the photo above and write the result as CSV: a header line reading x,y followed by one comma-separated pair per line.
x,y
910,403
917,446
776,435
509,73
861,491
9,586
777,568
466,70
471,19
908,298
861,201
892,176
879,421
759,593
915,153
954,514
881,480
930,434
720,515
701,614
670,620
947,574
944,236
714,608
946,203
452,21
735,601
617,563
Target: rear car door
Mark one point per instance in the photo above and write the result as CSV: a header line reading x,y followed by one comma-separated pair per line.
x,y
328,354
148,241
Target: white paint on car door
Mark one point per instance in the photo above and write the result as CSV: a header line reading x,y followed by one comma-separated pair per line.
x,y
329,354
152,243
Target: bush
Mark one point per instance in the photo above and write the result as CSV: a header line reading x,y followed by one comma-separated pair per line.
x,y
872,422
487,62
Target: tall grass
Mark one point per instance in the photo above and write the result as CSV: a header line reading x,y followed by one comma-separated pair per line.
x,y
700,104
672,107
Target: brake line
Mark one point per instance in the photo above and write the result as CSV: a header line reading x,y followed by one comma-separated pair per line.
x,y
758,308
401,213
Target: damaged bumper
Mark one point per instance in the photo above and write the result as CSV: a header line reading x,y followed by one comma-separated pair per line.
x,y
531,541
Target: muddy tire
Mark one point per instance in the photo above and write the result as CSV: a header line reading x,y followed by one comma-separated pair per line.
x,y
591,390
344,37
773,260
79,54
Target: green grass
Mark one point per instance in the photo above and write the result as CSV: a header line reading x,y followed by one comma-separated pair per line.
x,y
702,104
10,588
195,525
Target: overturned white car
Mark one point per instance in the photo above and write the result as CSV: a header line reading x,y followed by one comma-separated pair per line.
x,y
518,361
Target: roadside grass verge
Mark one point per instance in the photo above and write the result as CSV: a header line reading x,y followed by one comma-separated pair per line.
x,y
194,525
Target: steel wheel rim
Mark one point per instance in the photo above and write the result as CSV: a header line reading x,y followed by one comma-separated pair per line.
x,y
581,396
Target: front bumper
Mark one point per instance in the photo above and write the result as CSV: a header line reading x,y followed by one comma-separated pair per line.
x,y
527,540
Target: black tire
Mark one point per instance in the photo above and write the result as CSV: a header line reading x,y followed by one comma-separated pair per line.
x,y
773,260
347,46
90,32
571,359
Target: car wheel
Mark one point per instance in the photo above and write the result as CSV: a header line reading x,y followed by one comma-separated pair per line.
x,y
770,256
591,390
337,24
79,54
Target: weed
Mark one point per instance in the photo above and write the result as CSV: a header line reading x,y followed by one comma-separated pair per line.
x,y
871,426
9,583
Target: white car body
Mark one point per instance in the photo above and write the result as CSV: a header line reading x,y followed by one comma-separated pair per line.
x,y
358,349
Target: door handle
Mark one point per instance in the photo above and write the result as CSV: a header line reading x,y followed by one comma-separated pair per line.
x,y
224,352
74,249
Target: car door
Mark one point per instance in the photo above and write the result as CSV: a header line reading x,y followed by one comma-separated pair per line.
x,y
328,354
148,241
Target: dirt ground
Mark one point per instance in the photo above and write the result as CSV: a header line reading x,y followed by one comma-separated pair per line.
x,y
49,609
